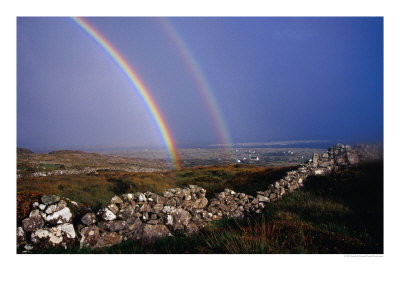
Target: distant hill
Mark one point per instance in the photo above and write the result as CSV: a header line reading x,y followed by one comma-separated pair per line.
x,y
24,151
67,152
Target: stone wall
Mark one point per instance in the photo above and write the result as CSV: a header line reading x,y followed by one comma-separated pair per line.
x,y
147,216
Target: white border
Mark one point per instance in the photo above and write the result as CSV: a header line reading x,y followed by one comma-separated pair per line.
x,y
211,276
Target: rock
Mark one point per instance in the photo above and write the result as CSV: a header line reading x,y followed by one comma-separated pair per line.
x,y
146,208
187,204
113,208
171,202
108,215
254,202
61,205
74,204
315,160
34,213
318,171
28,247
200,203
116,225
117,200
191,228
21,236
50,209
50,199
90,236
42,207
62,235
32,223
170,220
272,196
158,208
89,219
181,218
62,216
168,194
141,197
152,232
126,213
352,158
135,225
262,198
108,239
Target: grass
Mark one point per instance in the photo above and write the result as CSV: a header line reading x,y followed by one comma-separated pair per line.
x,y
342,213
97,189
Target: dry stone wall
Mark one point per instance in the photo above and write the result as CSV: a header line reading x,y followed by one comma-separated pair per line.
x,y
147,216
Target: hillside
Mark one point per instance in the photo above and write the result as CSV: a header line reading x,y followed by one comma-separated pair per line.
x,y
340,213
336,195
79,162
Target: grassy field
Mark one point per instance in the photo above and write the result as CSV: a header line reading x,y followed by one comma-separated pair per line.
x,y
97,189
342,213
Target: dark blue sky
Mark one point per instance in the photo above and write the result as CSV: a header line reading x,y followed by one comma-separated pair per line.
x,y
273,78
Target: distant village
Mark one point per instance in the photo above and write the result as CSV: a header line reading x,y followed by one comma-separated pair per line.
x,y
262,155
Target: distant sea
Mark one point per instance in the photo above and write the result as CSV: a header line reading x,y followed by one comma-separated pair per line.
x,y
315,144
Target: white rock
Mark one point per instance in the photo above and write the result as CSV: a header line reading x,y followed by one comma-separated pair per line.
x,y
62,216
35,205
51,209
20,231
42,207
68,229
108,215
170,220
141,197
28,247
34,213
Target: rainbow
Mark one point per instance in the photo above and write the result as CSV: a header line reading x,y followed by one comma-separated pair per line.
x,y
201,82
140,87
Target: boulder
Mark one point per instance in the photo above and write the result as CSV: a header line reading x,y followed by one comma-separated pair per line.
x,y
181,218
32,223
168,194
61,205
21,236
58,217
141,197
158,208
126,212
89,236
50,209
352,158
116,225
146,207
89,219
108,215
59,236
200,203
113,208
50,199
117,200
262,198
108,239
152,232
34,213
